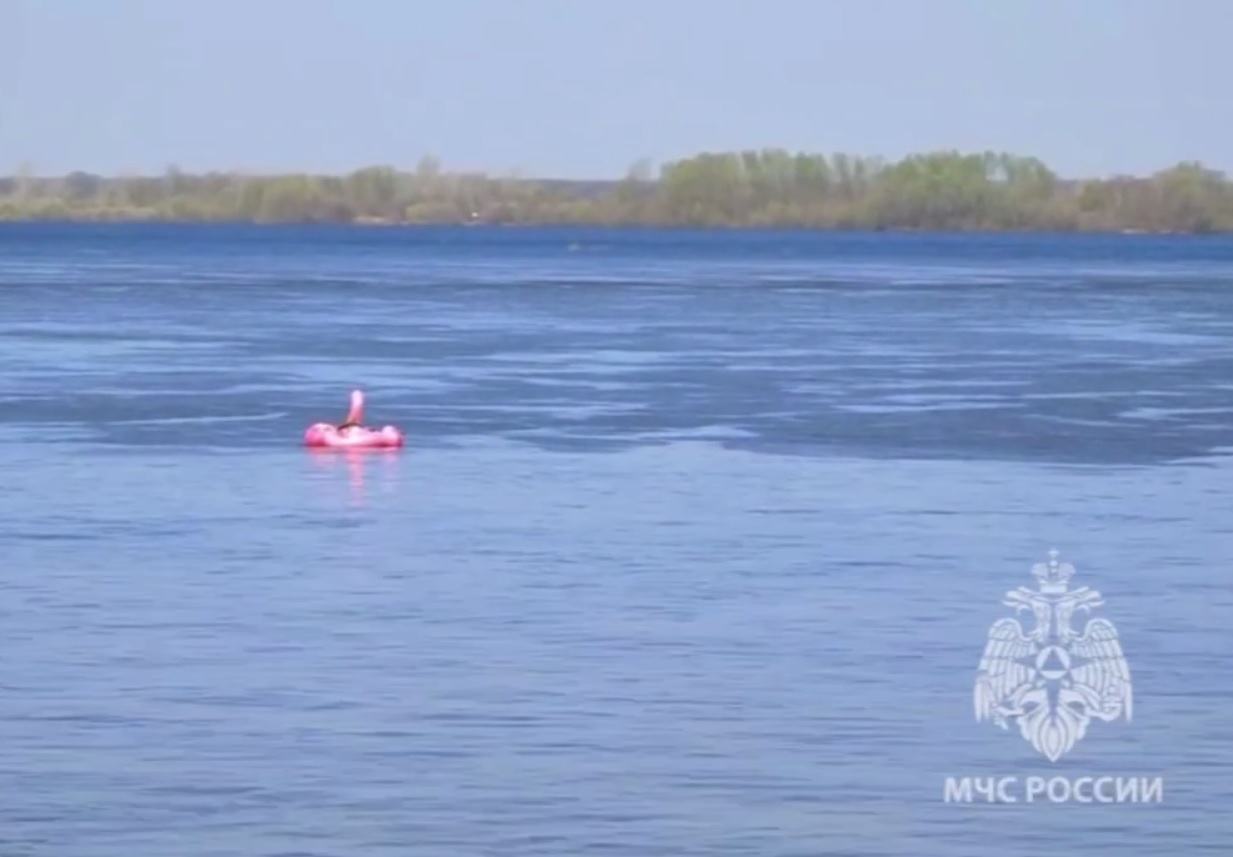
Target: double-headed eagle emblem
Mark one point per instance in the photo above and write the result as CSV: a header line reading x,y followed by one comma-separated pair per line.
x,y
1053,680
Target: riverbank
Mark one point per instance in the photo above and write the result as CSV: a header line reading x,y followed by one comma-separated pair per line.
x,y
768,189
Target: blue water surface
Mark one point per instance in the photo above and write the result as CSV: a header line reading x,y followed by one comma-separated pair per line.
x,y
693,550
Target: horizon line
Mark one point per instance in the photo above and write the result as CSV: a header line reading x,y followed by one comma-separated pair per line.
x,y
28,168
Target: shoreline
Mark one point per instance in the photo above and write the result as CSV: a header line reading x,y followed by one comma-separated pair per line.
x,y
370,224
987,193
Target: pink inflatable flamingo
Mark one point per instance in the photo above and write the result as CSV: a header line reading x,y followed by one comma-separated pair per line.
x,y
351,434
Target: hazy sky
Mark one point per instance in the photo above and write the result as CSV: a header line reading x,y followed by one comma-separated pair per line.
x,y
580,88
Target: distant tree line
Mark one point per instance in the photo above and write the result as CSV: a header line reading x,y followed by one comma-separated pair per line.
x,y
769,188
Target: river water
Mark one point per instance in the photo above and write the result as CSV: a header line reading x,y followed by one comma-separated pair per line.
x,y
694,549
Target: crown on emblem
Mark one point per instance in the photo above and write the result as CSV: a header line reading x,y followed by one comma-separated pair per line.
x,y
1053,576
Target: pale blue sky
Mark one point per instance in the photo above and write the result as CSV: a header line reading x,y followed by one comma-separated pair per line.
x,y
580,88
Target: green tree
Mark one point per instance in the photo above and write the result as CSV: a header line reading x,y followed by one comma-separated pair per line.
x,y
763,188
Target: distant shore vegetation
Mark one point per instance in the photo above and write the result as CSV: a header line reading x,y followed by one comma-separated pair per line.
x,y
768,188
